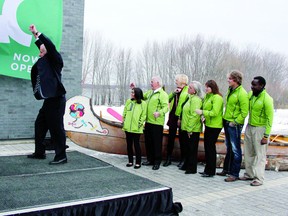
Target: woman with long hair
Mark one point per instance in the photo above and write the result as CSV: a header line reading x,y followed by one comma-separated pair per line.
x,y
134,116
211,115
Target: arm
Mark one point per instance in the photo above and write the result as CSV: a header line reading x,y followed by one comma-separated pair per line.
x,y
244,107
269,111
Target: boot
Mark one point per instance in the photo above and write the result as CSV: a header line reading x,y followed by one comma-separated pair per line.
x,y
167,162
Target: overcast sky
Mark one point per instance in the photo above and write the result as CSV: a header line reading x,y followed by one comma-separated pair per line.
x,y
131,23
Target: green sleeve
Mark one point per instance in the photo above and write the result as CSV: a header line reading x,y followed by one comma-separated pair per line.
x,y
269,110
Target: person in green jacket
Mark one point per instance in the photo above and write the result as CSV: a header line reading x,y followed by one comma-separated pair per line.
x,y
157,107
236,110
261,112
211,115
134,116
176,100
191,126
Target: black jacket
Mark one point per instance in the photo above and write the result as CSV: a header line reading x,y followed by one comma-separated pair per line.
x,y
47,67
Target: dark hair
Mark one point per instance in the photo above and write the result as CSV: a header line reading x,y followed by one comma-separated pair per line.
x,y
214,87
261,80
138,94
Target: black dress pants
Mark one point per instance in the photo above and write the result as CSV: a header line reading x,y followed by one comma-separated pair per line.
x,y
133,138
50,117
192,144
210,139
153,142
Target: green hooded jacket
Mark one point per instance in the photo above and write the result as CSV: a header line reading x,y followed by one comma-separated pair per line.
x,y
182,98
237,105
134,116
261,111
213,110
156,102
190,120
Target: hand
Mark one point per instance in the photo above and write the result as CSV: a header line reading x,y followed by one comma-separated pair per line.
x,y
232,124
179,123
132,85
202,118
264,141
156,114
177,90
199,112
189,134
32,29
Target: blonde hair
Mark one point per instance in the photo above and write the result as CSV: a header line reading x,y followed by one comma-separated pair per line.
x,y
236,75
183,78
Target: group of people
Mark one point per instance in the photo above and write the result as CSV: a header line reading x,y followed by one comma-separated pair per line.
x,y
190,107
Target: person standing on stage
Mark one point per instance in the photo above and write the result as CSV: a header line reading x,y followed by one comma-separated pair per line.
x,y
211,115
134,116
261,112
176,99
47,85
157,107
236,110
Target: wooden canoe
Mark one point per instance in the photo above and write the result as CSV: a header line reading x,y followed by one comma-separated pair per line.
x,y
110,138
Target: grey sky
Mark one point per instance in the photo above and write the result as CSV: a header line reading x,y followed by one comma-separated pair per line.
x,y
131,23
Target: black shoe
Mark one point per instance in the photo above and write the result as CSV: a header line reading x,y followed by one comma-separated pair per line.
x,y
137,166
156,167
206,175
201,173
37,156
147,163
190,172
183,167
129,164
223,173
56,162
180,164
167,163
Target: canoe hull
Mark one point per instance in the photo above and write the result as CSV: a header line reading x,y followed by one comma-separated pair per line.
x,y
104,135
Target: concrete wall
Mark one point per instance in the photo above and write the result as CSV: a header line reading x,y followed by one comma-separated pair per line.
x,y
17,104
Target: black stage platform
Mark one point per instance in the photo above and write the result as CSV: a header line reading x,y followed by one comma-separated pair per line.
x,y
83,186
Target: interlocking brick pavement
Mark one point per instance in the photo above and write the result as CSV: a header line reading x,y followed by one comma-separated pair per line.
x,y
199,196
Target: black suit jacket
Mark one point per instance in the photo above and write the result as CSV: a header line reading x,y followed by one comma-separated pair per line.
x,y
47,67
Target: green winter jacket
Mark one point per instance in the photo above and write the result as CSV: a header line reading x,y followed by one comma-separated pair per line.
x,y
156,102
213,110
237,105
134,116
182,98
190,120
261,111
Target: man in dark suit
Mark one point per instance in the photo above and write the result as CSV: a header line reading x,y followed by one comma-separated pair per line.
x,y
47,85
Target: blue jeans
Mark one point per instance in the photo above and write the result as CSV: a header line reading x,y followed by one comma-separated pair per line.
x,y
233,158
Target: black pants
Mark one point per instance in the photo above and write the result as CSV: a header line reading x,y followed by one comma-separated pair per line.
x,y
153,142
50,117
171,137
210,139
191,146
133,138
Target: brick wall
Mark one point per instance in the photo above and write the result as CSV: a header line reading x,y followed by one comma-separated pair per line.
x,y
17,104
